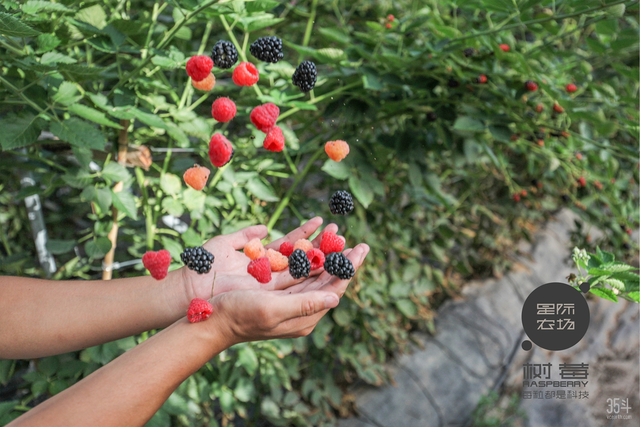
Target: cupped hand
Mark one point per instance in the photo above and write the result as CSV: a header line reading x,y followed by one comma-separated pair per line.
x,y
258,314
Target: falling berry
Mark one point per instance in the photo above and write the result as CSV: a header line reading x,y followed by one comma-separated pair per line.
x,y
571,88
481,79
505,47
530,85
391,18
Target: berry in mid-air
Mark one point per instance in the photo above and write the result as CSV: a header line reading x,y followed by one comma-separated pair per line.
x,y
199,67
481,79
274,141
199,310
223,109
432,116
197,259
558,108
196,177
571,88
582,182
224,54
316,258
264,116
331,242
531,86
539,108
286,248
245,74
469,52
157,263
254,249
299,264
336,264
336,150
260,269
277,261
220,150
303,244
205,85
267,49
305,76
341,203
505,47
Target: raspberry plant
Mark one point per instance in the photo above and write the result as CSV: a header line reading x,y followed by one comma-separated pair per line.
x,y
100,121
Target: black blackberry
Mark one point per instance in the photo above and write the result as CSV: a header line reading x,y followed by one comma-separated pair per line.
x,y
267,49
299,264
305,76
432,116
453,83
341,203
469,52
535,182
197,259
339,265
565,198
224,54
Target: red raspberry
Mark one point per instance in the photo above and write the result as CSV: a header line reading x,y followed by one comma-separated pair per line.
x,y
505,47
539,108
516,197
571,88
558,108
196,177
223,109
199,310
482,79
157,263
264,116
260,269
531,86
245,74
629,231
274,140
582,181
331,243
391,18
286,248
316,257
389,26
523,193
199,67
220,150
336,150
541,142
206,84
579,156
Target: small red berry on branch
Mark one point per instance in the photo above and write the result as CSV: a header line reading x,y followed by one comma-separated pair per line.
x,y
582,182
530,85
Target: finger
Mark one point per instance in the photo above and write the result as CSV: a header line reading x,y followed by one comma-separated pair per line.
x,y
283,279
240,238
331,228
333,284
302,232
291,306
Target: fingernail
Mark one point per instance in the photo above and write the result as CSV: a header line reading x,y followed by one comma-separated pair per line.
x,y
331,301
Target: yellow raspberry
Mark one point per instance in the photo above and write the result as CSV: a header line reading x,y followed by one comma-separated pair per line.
x,y
303,244
206,84
278,261
254,249
336,150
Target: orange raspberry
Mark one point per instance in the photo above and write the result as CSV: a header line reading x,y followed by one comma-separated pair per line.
x,y
254,249
278,261
196,177
303,244
336,150
206,85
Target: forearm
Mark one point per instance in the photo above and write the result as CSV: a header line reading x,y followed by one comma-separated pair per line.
x,y
129,390
41,318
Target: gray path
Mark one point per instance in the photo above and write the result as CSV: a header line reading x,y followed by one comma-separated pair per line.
x,y
477,349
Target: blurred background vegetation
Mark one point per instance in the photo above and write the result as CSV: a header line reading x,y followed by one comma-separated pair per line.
x,y
436,162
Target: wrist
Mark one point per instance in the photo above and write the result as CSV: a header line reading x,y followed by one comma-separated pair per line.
x,y
220,326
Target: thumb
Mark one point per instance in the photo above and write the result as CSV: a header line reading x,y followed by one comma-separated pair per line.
x,y
305,304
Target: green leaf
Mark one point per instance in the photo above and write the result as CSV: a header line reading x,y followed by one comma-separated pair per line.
x,y
290,137
468,124
170,183
150,119
604,293
174,247
104,198
334,35
500,133
97,248
261,191
125,202
330,54
32,7
269,408
67,94
407,307
93,115
338,170
47,42
361,190
635,296
52,58
19,130
58,247
247,359
260,5
263,23
12,27
194,200
245,390
115,172
78,132
172,206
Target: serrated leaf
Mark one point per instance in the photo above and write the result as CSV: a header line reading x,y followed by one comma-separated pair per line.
x,y
150,119
93,115
115,172
604,293
263,23
104,198
174,247
260,5
97,248
330,54
125,202
32,7
12,27
334,35
261,191
19,130
615,283
247,359
172,206
170,183
338,170
635,296
56,58
67,94
78,132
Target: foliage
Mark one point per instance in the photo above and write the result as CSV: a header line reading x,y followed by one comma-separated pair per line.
x,y
435,198
490,412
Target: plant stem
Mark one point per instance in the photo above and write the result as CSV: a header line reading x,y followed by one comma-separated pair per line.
x,y
310,22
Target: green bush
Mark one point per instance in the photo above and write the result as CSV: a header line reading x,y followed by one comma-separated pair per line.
x,y
435,192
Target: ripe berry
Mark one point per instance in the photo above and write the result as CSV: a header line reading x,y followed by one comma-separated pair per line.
x,y
197,259
571,88
277,261
531,86
565,198
260,269
331,242
514,137
267,49
582,181
303,244
299,264
481,79
505,47
199,67
558,108
598,185
305,76
220,150
254,249
196,177
469,52
199,310
432,116
516,197
286,248
223,109
316,258
336,150
157,263
339,265
224,54
541,142
629,231
579,156
388,26
205,85
264,116
274,140
539,108
453,83
246,74
341,203
523,193
391,18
